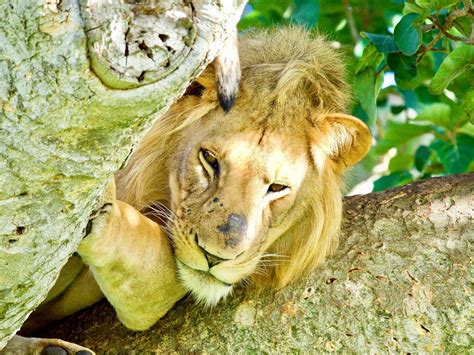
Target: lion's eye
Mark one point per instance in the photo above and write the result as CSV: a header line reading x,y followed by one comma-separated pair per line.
x,y
277,188
208,158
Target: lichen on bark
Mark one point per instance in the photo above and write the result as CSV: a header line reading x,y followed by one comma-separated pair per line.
x,y
401,281
63,133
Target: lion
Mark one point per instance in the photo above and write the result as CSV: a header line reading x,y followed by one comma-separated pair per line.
x,y
210,199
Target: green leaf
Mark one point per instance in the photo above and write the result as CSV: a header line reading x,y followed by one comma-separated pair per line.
x,y
397,134
407,36
403,66
394,179
306,12
412,8
468,129
438,114
367,88
263,13
411,98
468,104
266,7
383,43
362,115
397,109
455,64
409,84
457,157
463,25
422,156
370,59
424,97
436,4
401,161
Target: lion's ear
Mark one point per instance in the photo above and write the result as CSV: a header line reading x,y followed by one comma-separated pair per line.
x,y
341,138
204,86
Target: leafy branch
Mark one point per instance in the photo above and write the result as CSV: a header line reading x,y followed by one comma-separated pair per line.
x,y
467,10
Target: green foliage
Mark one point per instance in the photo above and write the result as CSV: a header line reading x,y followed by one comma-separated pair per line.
x,y
411,64
456,63
403,66
407,35
383,43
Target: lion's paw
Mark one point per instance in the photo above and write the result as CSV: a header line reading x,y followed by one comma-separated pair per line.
x,y
61,347
43,346
97,230
100,217
60,350
99,220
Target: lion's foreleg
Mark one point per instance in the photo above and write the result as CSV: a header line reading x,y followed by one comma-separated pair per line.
x,y
74,290
131,260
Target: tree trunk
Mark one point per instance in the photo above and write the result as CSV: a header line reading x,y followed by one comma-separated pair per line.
x,y
80,83
401,281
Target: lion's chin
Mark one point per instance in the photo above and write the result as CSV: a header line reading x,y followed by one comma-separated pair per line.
x,y
204,287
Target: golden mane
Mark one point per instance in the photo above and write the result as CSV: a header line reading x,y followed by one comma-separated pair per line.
x,y
294,72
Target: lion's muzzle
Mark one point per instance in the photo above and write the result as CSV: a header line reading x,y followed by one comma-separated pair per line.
x,y
224,241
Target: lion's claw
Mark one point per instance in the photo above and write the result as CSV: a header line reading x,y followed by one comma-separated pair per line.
x,y
104,210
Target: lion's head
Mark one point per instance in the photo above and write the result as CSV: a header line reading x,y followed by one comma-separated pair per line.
x,y
256,191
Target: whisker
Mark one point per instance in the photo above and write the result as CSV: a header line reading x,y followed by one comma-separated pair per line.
x,y
261,271
161,209
271,263
265,255
245,281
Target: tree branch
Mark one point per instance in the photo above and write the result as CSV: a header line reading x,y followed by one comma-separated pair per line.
x,y
449,23
470,10
429,47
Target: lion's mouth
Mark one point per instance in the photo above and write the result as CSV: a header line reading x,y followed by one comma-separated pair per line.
x,y
205,287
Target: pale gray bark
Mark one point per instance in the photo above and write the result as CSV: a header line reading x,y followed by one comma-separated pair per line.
x,y
401,282
64,129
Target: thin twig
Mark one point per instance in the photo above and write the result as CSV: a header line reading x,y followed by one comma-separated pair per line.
x,y
468,5
350,21
381,69
429,47
470,11
449,23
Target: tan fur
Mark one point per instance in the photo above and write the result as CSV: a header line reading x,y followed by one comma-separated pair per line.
x,y
131,260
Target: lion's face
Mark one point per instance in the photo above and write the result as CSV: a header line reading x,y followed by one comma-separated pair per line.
x,y
233,192
264,179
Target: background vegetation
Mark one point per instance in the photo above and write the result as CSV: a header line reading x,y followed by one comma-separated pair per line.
x,y
411,66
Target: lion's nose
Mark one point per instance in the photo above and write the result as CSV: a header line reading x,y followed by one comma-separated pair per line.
x,y
236,225
218,251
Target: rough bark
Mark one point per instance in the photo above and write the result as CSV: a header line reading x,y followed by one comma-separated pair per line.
x,y
401,281
64,126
